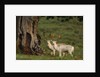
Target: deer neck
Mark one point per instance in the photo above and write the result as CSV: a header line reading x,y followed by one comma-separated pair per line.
x,y
55,44
49,43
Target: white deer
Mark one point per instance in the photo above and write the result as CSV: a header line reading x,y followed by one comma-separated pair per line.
x,y
51,47
62,48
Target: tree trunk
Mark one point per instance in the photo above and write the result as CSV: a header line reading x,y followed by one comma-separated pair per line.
x,y
28,39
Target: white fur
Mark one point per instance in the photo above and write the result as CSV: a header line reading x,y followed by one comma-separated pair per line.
x,y
62,48
51,47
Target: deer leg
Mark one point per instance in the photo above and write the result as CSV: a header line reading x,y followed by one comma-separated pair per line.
x,y
59,53
71,54
51,53
54,52
63,53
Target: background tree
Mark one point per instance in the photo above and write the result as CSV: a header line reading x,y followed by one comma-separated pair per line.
x,y
28,39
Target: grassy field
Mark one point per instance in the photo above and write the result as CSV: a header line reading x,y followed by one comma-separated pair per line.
x,y
69,32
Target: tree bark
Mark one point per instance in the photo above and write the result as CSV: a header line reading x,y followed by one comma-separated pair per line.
x,y
28,39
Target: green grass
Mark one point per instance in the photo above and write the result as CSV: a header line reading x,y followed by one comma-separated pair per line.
x,y
46,57
70,32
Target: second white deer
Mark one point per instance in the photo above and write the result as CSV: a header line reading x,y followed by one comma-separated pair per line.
x,y
62,48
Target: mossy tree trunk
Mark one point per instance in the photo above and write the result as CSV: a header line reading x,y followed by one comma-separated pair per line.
x,y
28,39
